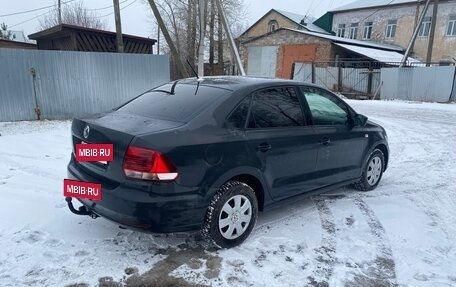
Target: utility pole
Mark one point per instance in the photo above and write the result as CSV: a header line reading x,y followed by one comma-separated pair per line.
x,y
120,48
201,42
432,33
158,40
415,33
60,12
230,37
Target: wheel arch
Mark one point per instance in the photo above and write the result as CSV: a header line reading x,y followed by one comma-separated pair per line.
x,y
249,176
382,147
255,184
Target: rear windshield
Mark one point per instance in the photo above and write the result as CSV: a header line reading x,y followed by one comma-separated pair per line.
x,y
182,106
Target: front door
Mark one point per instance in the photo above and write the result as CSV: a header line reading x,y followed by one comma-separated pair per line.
x,y
341,146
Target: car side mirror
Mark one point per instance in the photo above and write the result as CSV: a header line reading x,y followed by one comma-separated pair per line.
x,y
359,120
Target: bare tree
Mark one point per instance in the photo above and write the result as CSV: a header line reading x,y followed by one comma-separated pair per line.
x,y
181,19
74,13
164,29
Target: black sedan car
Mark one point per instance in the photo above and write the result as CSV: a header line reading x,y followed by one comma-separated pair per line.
x,y
210,153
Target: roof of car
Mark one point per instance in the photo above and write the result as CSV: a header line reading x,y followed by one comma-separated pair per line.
x,y
234,82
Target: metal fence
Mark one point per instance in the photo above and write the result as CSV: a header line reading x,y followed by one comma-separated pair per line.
x,y
426,84
60,84
367,80
354,79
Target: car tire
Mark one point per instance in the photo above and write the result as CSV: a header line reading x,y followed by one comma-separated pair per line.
x,y
231,215
373,171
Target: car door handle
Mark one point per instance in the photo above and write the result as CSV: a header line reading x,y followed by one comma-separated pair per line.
x,y
264,147
325,141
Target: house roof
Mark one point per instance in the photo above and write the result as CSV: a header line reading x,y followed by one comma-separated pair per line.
x,y
363,4
296,18
369,44
16,44
66,27
378,55
292,16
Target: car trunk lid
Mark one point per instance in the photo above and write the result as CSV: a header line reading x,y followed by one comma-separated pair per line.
x,y
118,129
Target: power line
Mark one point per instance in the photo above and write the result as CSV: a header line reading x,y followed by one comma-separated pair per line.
x,y
38,16
310,7
107,7
376,11
33,10
120,9
17,24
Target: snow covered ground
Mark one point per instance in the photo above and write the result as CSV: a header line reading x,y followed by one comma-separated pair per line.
x,y
403,233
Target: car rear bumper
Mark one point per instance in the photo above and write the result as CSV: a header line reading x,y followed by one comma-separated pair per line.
x,y
161,207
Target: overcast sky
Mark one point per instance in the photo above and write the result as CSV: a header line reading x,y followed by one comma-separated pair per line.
x,y
136,14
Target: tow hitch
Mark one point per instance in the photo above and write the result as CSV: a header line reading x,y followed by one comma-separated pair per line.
x,y
82,209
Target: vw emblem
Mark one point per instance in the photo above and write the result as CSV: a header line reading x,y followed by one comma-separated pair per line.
x,y
86,132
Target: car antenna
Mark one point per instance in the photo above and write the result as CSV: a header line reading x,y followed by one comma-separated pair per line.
x,y
173,87
196,74
191,67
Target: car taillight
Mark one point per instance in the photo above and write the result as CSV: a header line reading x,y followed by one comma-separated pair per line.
x,y
148,164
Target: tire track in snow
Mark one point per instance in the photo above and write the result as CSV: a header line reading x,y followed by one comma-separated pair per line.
x,y
325,254
16,167
381,271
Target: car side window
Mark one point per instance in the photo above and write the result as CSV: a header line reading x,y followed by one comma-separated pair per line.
x,y
325,108
276,107
239,115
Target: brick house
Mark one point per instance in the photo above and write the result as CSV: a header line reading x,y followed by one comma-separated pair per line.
x,y
393,22
278,39
273,54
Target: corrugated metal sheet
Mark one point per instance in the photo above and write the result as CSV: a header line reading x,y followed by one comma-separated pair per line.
x,y
16,87
262,61
427,84
73,84
303,72
326,77
453,93
391,57
363,43
352,79
355,79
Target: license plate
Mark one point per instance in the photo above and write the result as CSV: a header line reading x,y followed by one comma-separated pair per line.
x,y
100,153
82,189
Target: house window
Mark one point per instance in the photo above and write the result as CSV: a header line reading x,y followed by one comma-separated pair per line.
x,y
354,31
273,25
391,29
451,29
367,30
341,30
425,27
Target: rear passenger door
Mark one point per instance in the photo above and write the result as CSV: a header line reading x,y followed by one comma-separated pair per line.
x,y
279,137
341,145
